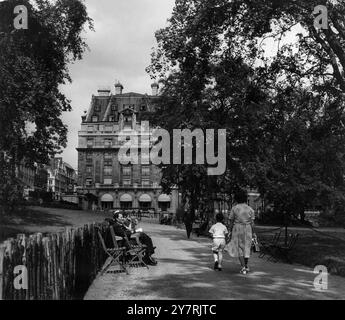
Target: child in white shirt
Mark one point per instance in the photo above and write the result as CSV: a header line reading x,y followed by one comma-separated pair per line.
x,y
219,233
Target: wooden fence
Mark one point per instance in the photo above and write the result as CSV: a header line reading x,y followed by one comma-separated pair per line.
x,y
60,266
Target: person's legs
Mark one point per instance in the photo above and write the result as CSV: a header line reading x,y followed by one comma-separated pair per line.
x,y
146,240
246,262
241,261
189,228
220,259
215,257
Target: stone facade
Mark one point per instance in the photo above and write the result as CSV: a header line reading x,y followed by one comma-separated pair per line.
x,y
103,180
61,178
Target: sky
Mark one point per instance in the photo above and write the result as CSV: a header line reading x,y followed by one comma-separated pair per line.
x,y
120,49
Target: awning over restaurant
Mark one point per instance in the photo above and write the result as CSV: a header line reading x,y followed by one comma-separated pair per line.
x,y
164,198
145,198
107,198
126,198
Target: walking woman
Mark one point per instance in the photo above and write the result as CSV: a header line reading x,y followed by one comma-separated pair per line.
x,y
241,230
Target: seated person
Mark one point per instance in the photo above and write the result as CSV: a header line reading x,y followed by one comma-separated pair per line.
x,y
119,229
124,227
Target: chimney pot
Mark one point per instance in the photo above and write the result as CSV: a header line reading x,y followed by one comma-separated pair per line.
x,y
118,88
155,88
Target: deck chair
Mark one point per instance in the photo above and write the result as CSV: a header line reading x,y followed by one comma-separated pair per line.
x,y
134,253
283,251
268,246
116,256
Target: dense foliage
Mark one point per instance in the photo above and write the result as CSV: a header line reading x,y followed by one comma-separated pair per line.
x,y
263,71
33,64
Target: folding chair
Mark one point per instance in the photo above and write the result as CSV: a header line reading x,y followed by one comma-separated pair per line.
x,y
134,253
266,247
115,255
283,251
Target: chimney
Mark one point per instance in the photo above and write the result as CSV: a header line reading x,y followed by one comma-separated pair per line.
x,y
118,88
155,88
104,91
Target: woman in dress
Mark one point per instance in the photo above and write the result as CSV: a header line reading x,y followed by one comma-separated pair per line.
x,y
241,228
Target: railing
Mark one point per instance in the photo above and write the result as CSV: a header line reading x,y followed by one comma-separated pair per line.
x,y
60,266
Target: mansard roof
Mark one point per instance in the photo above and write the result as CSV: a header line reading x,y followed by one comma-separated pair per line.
x,y
102,105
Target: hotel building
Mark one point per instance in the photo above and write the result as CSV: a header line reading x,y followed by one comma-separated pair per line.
x,y
103,180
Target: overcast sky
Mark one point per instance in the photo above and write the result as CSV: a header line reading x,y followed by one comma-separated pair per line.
x,y
120,49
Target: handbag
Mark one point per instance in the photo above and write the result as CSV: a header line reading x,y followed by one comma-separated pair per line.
x,y
255,245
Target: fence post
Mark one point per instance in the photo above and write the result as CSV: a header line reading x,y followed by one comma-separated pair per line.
x,y
2,255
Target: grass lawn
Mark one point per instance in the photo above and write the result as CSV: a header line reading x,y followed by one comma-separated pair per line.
x,y
314,248
44,220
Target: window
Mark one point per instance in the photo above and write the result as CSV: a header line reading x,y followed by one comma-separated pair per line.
x,y
88,182
146,183
126,171
128,122
145,171
108,181
108,159
164,206
94,119
89,156
108,128
88,169
111,118
89,143
90,129
97,107
108,143
114,107
126,182
108,170
107,156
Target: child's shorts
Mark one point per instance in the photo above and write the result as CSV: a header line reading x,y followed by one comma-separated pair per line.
x,y
218,244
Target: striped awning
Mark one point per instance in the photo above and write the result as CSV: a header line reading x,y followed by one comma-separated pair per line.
x,y
145,198
126,198
164,198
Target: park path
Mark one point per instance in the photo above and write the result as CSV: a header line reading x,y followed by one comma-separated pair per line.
x,y
184,271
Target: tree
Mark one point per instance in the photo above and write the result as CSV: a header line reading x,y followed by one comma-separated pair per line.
x,y
284,112
33,64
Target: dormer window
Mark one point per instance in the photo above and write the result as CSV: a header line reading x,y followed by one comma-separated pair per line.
x,y
128,121
94,119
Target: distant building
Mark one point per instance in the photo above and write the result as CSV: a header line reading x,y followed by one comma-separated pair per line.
x,y
102,179
41,179
61,178
25,174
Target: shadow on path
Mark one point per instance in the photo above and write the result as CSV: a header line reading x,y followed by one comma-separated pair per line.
x,y
185,272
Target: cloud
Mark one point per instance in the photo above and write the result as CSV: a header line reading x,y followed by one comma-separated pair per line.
x,y
120,49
